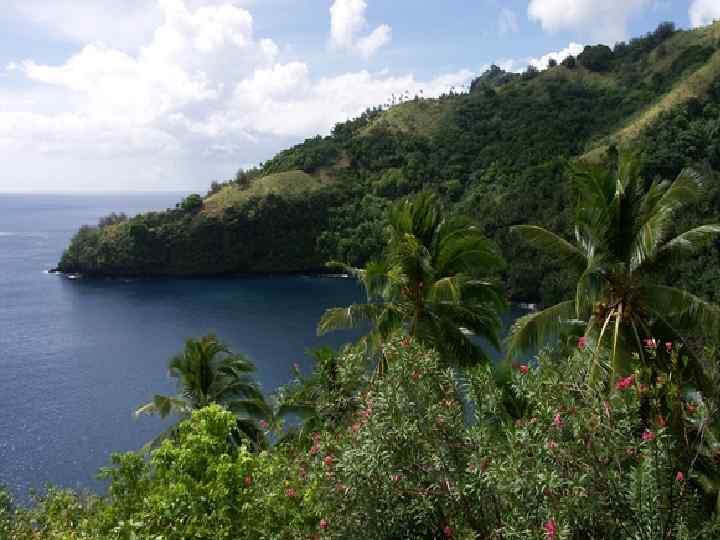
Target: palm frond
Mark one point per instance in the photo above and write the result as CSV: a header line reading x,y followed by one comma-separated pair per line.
x,y
304,411
480,319
551,243
532,331
685,311
485,292
348,318
687,189
248,408
690,242
163,406
455,348
462,248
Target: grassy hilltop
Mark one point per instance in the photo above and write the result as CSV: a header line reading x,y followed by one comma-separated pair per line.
x,y
499,153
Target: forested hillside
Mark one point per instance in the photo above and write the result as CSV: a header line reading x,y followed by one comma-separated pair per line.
x,y
499,153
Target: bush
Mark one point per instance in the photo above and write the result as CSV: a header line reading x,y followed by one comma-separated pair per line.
x,y
191,203
590,467
597,58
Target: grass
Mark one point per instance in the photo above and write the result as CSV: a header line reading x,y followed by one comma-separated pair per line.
x,y
421,116
695,85
286,184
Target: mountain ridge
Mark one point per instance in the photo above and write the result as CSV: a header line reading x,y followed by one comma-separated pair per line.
x,y
498,153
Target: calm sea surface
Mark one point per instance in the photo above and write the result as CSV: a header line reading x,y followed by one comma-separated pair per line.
x,y
77,357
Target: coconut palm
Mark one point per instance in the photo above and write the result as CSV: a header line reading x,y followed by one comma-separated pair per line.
x,y
208,373
623,237
430,284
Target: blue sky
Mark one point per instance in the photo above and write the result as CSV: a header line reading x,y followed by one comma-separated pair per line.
x,y
99,95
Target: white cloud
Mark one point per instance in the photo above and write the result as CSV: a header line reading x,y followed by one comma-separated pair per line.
x,y
605,20
517,65
571,50
703,12
368,45
508,22
199,96
122,23
285,101
347,21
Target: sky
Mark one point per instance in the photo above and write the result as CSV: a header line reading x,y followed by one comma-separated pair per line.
x,y
152,95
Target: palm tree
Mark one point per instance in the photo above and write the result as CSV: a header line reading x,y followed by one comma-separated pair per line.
x,y
208,373
429,284
623,237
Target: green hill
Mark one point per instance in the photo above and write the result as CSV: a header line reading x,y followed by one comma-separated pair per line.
x,y
499,153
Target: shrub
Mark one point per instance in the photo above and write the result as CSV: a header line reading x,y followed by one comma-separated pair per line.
x,y
582,463
191,203
400,468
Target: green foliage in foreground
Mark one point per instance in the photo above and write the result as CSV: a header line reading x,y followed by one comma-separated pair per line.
x,y
404,464
208,373
623,236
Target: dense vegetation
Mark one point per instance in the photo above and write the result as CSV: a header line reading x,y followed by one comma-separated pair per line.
x,y
612,429
598,437
498,154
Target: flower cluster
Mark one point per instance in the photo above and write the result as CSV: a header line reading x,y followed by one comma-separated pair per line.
x,y
625,383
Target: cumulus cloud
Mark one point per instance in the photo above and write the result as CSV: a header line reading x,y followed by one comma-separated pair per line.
x,y
703,12
606,20
201,95
508,22
348,21
542,63
285,101
517,65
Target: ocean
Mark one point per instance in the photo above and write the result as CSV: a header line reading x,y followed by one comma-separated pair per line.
x,y
78,357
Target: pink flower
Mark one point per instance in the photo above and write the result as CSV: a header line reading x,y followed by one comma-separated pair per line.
x,y
395,477
314,449
296,366
624,384
551,529
558,421
290,492
263,424
448,531
524,369
582,342
328,461
323,524
248,481
680,477
669,346
648,435
650,343
552,445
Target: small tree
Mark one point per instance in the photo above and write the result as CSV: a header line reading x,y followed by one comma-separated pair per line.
x,y
569,62
191,204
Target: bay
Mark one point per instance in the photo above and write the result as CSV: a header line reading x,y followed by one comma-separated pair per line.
x,y
77,357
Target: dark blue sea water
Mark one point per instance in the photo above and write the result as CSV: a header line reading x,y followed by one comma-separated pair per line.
x,y
77,357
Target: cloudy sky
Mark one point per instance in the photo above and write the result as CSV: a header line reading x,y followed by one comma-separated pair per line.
x,y
118,95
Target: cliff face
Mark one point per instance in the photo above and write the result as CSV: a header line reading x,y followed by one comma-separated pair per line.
x,y
498,153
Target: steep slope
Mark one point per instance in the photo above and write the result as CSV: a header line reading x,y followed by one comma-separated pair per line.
x,y
499,153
